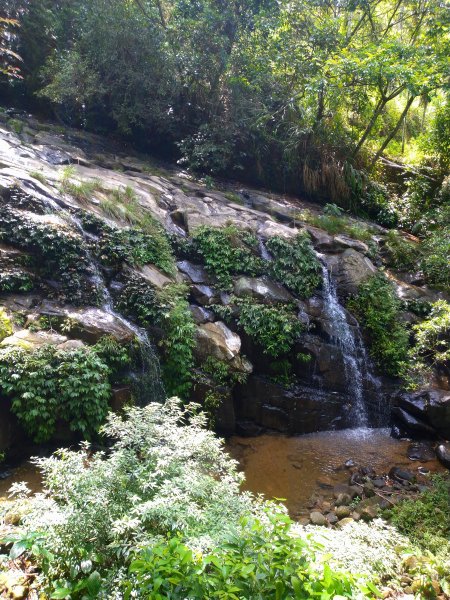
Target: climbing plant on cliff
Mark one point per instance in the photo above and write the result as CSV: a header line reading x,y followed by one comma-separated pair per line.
x,y
47,385
295,264
377,307
227,251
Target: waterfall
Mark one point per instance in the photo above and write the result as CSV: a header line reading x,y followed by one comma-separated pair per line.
x,y
353,351
147,386
265,254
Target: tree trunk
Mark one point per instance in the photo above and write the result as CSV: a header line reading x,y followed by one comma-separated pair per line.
x,y
393,132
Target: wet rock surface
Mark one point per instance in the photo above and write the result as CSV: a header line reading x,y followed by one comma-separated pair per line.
x,y
316,395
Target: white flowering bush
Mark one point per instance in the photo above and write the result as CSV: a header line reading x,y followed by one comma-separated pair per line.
x,y
160,515
164,473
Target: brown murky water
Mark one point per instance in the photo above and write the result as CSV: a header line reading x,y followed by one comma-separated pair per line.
x,y
293,468
25,472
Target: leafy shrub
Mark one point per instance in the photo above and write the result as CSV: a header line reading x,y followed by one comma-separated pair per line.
x,y
5,325
375,201
179,340
220,378
49,384
402,254
227,251
102,527
260,560
167,309
58,253
274,328
426,519
16,281
431,343
435,262
137,299
377,307
136,248
333,210
164,473
295,264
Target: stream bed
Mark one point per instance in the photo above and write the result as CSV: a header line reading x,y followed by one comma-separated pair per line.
x,y
296,467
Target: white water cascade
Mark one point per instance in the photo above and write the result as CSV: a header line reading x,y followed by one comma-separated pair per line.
x,y
148,386
351,346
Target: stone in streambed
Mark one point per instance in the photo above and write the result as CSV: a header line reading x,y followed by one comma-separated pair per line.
x,y
420,451
317,518
343,500
401,475
443,454
343,522
342,512
332,518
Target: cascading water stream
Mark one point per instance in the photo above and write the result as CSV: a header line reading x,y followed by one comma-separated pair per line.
x,y
148,386
353,351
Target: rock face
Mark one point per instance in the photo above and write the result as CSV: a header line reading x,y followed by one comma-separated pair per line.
x,y
312,396
301,409
215,339
350,269
426,412
262,289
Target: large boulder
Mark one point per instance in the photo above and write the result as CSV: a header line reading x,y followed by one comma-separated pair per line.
x,y
431,407
29,340
350,269
262,289
217,340
90,324
299,409
195,273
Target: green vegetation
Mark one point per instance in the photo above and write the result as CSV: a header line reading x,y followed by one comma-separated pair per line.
x,y
426,519
295,264
227,251
431,346
49,384
435,263
136,248
160,515
16,281
377,307
402,254
178,342
335,223
274,328
168,310
261,560
57,252
39,176
82,191
220,378
5,324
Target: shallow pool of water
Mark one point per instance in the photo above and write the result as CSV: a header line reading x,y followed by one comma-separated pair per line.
x,y
294,468
26,472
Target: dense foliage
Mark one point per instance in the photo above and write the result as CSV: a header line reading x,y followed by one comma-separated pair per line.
x,y
377,308
295,264
47,385
227,251
426,519
431,348
288,93
160,515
